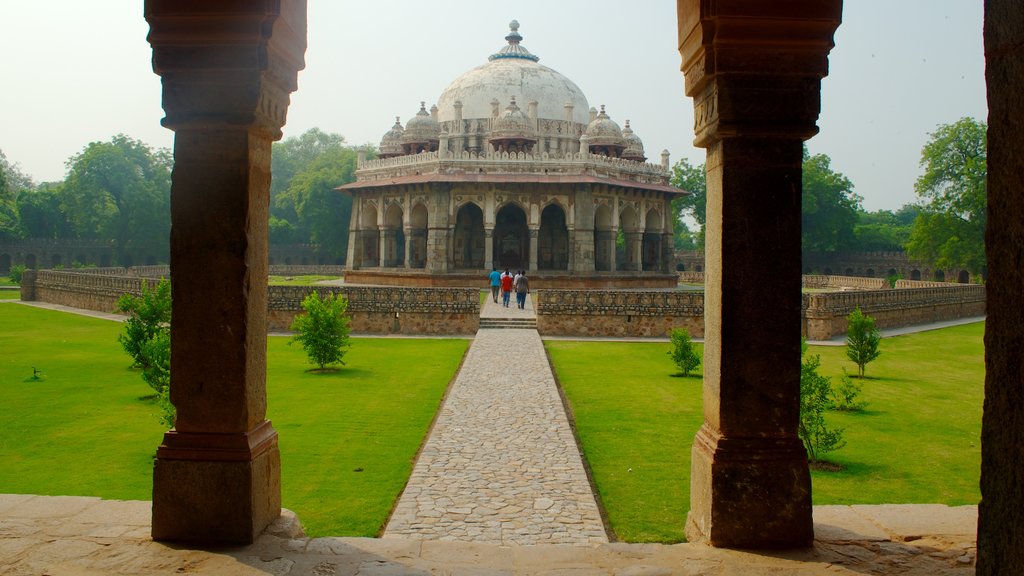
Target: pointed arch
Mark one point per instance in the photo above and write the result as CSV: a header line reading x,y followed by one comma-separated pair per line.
x,y
553,239
468,239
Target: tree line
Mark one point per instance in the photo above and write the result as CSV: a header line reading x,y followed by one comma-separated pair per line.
x,y
119,191
945,227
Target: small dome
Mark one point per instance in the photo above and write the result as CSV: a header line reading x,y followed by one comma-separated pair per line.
x,y
634,146
514,123
603,131
605,137
391,143
422,132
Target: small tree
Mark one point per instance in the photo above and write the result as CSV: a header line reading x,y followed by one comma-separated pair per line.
x,y
147,339
323,329
844,396
862,340
815,392
16,273
683,353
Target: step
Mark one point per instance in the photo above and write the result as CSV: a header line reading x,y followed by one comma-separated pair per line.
x,y
523,323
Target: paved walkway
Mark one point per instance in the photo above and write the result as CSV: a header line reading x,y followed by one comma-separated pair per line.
x,y
67,535
501,464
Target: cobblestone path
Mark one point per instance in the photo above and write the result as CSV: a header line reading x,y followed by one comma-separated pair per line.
x,y
501,463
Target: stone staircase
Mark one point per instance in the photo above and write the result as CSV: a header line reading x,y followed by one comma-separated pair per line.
x,y
520,323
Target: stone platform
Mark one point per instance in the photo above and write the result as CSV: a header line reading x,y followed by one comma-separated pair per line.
x,y
71,536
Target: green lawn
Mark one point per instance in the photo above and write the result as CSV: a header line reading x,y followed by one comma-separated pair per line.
x,y
10,294
298,280
89,426
917,442
6,281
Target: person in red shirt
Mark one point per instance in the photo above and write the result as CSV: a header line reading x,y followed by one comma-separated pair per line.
x,y
506,287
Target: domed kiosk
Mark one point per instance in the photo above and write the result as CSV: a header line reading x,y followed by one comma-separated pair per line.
x,y
511,168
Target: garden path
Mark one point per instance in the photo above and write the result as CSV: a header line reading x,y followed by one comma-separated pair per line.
x,y
501,464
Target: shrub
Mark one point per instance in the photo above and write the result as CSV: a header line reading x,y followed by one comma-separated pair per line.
x,y
148,315
323,329
683,354
815,392
862,340
16,272
844,396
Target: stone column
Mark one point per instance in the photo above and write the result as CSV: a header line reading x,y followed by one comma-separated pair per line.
x,y
407,260
488,248
1001,511
355,249
614,248
438,231
754,71
534,236
385,240
582,249
634,251
668,253
227,74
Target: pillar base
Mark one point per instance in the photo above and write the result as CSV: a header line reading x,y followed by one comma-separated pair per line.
x,y
749,492
224,501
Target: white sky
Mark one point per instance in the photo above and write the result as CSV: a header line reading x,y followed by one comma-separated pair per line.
x,y
76,72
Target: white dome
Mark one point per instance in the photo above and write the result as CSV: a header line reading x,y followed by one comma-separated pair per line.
x,y
513,73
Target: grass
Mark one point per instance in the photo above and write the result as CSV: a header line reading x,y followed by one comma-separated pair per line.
x,y
298,280
918,441
6,281
93,415
10,294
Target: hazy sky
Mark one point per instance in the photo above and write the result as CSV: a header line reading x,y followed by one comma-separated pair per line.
x,y
76,72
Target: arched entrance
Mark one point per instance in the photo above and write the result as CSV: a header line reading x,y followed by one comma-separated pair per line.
x,y
553,240
394,237
468,248
652,241
370,237
964,277
604,239
627,244
511,238
418,237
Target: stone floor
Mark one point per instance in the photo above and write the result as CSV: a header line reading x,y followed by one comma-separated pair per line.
x,y
66,535
501,464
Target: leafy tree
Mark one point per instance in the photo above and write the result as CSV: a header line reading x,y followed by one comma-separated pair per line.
x,y
147,339
693,179
883,231
829,207
815,400
862,340
12,182
950,232
16,272
683,353
323,330
149,316
41,213
120,190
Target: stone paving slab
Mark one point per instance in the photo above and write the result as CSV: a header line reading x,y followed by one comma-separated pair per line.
x,y
501,464
64,546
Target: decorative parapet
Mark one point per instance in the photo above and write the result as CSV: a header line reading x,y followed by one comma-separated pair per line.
x,y
840,304
924,284
619,303
101,285
387,299
858,282
506,163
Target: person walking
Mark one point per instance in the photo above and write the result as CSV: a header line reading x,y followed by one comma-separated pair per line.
x,y
495,278
522,285
506,287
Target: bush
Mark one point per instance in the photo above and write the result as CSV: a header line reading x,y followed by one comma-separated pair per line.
x,y
683,354
323,329
147,339
862,340
844,396
16,272
149,315
815,392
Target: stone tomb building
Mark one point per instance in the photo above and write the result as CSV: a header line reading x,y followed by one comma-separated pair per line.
x,y
512,169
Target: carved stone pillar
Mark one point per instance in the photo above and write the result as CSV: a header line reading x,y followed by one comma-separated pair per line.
x,y
754,71
534,236
407,260
386,253
668,253
634,251
438,230
355,249
1001,511
488,248
613,249
227,74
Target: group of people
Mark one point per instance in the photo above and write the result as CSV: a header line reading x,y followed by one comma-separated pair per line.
x,y
504,283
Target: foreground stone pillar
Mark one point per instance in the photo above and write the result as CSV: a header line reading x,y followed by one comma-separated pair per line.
x,y
488,248
1001,512
227,74
534,234
753,70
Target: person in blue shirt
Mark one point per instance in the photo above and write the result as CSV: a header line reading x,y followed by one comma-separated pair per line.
x,y
495,278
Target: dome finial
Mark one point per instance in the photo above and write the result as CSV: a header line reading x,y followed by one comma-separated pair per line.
x,y
514,50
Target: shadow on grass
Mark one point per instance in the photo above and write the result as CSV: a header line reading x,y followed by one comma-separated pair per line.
x,y
690,376
337,371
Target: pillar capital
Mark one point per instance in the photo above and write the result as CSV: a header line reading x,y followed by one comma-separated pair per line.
x,y
754,68
227,64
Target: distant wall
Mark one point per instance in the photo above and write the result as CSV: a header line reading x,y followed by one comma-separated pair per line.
x,y
623,313
373,310
839,282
